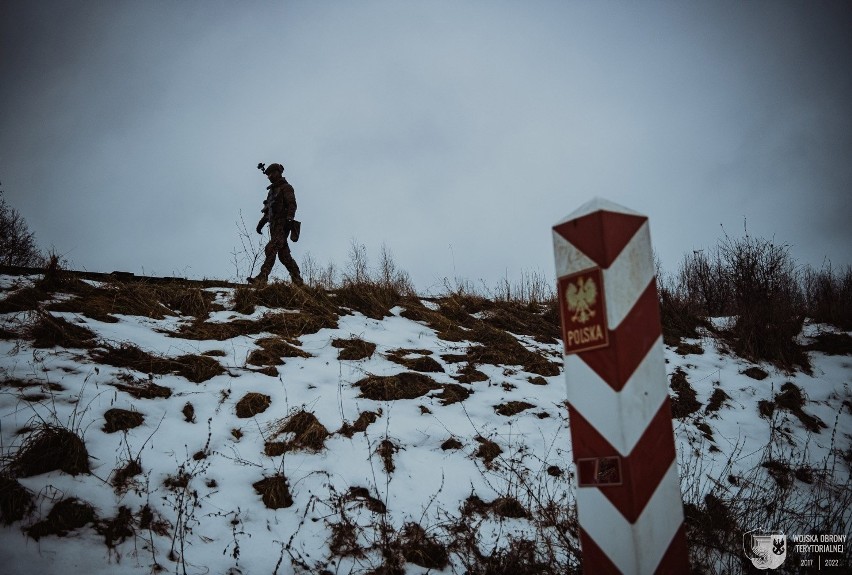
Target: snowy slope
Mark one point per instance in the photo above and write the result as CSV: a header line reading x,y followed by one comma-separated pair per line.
x,y
480,461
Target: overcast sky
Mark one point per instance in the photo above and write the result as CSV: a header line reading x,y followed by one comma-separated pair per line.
x,y
455,132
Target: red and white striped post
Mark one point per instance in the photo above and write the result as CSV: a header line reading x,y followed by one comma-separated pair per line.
x,y
628,490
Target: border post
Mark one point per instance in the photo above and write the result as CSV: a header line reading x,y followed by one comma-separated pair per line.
x,y
629,502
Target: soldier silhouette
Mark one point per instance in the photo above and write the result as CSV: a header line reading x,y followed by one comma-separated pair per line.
x,y
279,210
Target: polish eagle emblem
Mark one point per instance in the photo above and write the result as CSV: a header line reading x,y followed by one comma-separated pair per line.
x,y
581,296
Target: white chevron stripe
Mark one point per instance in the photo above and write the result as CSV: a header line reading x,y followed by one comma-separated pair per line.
x,y
637,548
628,276
621,417
569,259
597,204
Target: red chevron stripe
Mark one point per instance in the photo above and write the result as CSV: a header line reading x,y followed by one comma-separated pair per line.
x,y
641,470
595,561
676,559
630,343
601,235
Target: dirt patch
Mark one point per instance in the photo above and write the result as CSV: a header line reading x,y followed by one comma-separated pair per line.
x,y
252,403
66,516
272,350
16,501
365,418
453,393
122,420
188,412
354,348
308,433
274,491
488,450
49,331
684,400
50,448
406,385
512,407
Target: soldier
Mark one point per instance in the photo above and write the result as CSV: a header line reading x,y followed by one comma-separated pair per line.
x,y
279,210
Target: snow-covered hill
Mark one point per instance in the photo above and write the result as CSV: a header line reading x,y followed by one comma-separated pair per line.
x,y
148,428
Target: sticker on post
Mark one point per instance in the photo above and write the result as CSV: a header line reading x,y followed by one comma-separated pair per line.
x,y
583,310
599,471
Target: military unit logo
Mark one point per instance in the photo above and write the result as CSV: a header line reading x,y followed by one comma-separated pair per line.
x,y
766,549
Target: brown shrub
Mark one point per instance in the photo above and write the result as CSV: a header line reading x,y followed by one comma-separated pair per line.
x,y
121,420
274,491
117,529
406,385
122,476
385,450
50,448
252,403
24,299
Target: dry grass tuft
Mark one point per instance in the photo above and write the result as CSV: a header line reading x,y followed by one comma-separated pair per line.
x,y
791,399
195,368
142,389
362,495
365,418
24,299
717,400
756,373
308,433
252,403
831,344
354,348
123,476
16,501
66,516
122,420
488,450
454,393
684,401
118,529
50,448
421,549
452,443
385,450
274,492
422,362
512,407
406,385
49,331
271,352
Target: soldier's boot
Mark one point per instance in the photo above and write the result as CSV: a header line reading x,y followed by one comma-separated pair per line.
x,y
259,281
295,274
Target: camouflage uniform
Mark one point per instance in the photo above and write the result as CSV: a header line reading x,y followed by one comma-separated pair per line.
x,y
279,210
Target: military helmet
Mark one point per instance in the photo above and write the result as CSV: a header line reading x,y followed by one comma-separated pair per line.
x,y
274,168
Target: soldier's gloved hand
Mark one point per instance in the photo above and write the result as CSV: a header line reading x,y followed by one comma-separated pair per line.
x,y
260,225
